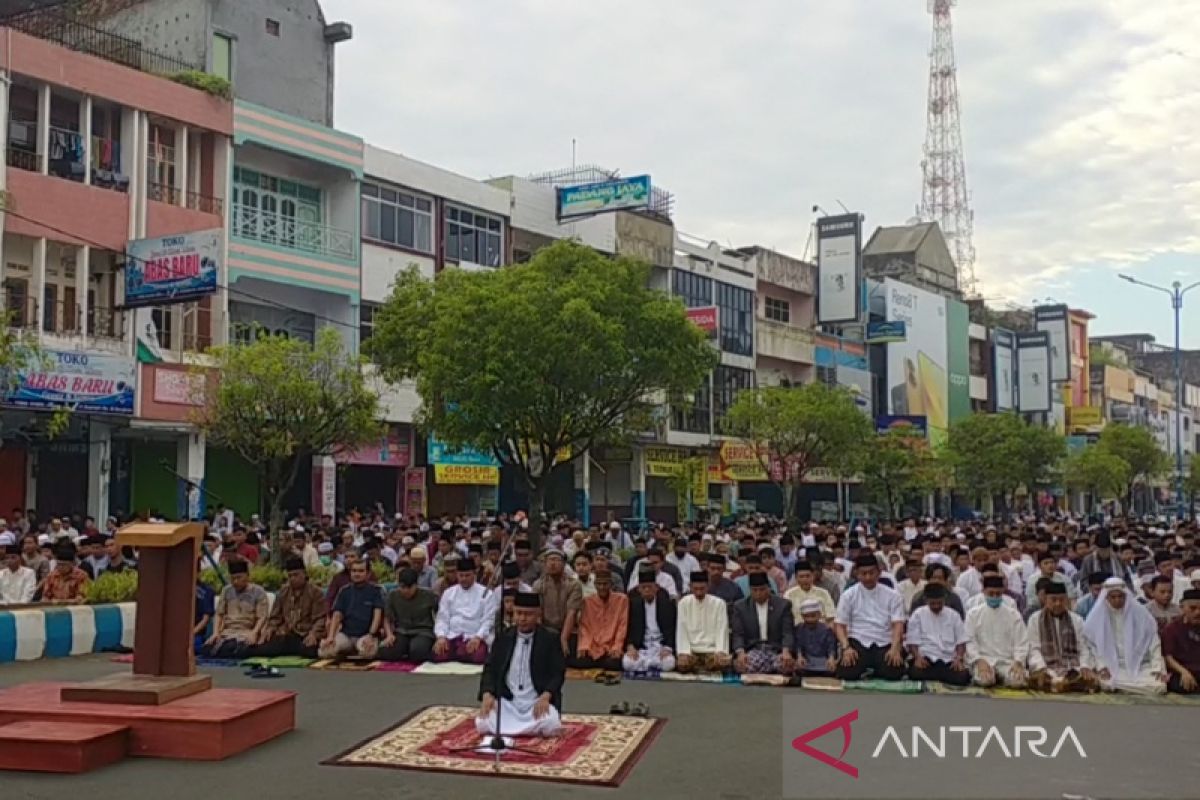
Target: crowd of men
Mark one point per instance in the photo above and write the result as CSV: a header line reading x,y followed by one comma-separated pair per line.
x,y
1054,604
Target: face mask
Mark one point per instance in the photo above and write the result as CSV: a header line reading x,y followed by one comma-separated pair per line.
x,y
326,560
994,602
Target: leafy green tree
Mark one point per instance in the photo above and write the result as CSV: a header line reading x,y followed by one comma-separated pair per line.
x,y
540,362
797,429
1097,472
1191,483
894,466
19,353
996,454
281,401
1137,448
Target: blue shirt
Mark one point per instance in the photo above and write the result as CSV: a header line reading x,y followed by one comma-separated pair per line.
x,y
357,604
1085,605
206,602
817,644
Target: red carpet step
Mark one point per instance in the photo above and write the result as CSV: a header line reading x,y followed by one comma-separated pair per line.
x,y
65,747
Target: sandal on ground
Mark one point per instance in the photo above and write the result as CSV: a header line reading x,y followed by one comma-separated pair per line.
x,y
601,677
640,710
268,672
612,679
620,709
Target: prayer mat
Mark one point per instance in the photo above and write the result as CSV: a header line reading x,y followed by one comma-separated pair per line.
x,y
397,666
650,675
764,679
823,684
217,662
280,662
448,668
593,749
349,664
583,674
122,659
700,677
890,687
937,687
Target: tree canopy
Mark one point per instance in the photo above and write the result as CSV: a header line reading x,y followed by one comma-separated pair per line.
x,y
894,466
794,430
280,401
539,362
1097,471
20,352
996,454
1137,447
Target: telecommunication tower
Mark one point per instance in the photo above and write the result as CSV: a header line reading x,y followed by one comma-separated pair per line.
x,y
944,197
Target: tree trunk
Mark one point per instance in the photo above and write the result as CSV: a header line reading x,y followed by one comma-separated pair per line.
x,y
537,502
789,502
278,489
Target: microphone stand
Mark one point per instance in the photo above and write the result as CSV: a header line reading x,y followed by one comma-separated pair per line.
x,y
498,745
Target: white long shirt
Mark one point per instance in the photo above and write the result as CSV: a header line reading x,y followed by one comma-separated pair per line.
x,y
686,565
465,612
17,587
996,635
868,614
936,635
703,626
1087,656
971,581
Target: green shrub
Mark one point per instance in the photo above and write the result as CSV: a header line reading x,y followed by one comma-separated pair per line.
x,y
268,576
114,587
205,82
213,580
383,572
320,575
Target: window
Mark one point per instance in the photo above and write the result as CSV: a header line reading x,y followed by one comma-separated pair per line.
x,y
728,382
474,237
778,310
397,217
695,290
276,210
222,56
272,27
250,320
827,375
695,415
366,323
736,318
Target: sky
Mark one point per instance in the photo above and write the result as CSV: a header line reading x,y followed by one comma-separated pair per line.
x,y
1080,121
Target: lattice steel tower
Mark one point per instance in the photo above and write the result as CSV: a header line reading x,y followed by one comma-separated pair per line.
x,y
944,196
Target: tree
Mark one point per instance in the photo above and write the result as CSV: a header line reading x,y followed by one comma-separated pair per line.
x,y
996,454
540,362
1191,484
793,430
1138,449
1097,472
894,466
19,353
280,401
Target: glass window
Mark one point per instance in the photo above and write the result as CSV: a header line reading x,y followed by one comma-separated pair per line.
x,y
736,318
695,290
695,415
475,237
728,382
397,217
777,310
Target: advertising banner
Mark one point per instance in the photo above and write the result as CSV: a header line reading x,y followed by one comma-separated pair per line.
x,y
462,465
885,332
1084,416
389,450
958,357
172,269
1004,366
918,383
1033,372
1053,321
599,198
415,498
839,268
885,423
704,318
89,383
663,462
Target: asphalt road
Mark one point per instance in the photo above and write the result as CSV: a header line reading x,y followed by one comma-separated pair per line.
x,y
720,742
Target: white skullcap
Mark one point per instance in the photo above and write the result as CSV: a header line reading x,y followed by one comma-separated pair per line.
x,y
6,539
1113,584
809,606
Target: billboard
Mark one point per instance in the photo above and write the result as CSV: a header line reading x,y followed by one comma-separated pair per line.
x,y
918,383
172,269
704,318
462,466
89,383
1033,372
958,361
839,268
1053,321
885,423
1004,364
599,198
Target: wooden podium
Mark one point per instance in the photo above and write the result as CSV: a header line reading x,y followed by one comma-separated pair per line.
x,y
164,666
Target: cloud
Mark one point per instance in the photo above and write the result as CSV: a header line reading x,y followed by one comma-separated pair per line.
x,y
1079,117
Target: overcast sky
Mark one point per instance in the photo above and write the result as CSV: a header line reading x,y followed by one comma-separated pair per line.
x,y
1081,120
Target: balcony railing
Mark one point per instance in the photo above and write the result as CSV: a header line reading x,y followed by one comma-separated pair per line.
x,y
106,323
66,154
282,231
22,310
162,193
202,202
62,317
21,158
55,27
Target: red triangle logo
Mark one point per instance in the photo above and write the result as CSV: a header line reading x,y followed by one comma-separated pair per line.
x,y
842,723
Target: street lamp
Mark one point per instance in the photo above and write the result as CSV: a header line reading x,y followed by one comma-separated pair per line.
x,y
1176,293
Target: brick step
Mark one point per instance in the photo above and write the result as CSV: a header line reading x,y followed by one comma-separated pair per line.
x,y
61,746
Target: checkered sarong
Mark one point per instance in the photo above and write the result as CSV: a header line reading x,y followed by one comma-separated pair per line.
x,y
763,660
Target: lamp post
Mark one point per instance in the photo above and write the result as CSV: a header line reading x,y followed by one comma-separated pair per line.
x,y
1176,293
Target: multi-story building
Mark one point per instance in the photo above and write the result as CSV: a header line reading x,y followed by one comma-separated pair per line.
x,y
913,254
415,214
98,153
785,318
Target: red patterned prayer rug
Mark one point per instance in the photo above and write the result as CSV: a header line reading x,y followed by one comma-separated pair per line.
x,y
592,749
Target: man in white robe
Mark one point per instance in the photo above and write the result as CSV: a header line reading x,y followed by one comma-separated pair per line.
x,y
1125,637
521,686
650,634
1060,657
937,639
702,630
997,641
465,618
